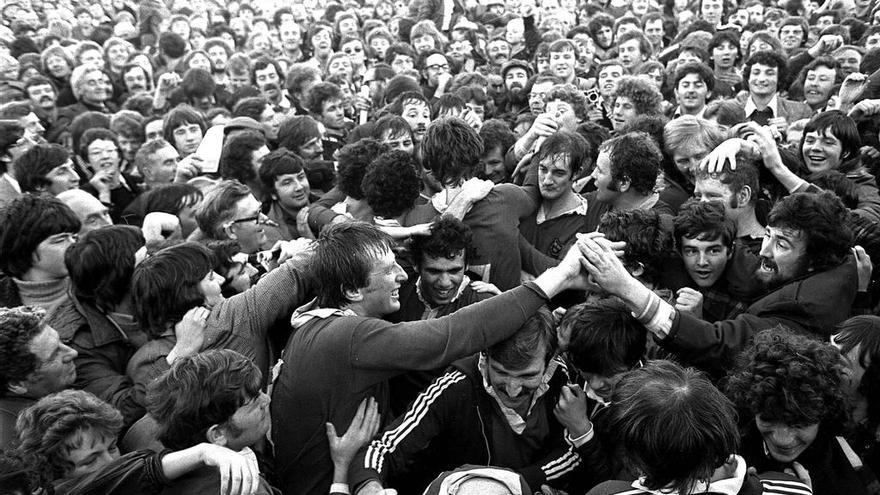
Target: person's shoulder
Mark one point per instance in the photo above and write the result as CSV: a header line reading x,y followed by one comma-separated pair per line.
x,y
615,487
507,192
67,320
774,483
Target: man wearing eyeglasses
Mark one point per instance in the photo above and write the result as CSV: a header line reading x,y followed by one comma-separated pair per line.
x,y
435,74
230,212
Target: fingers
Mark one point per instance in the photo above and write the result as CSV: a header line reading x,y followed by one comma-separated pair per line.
x,y
860,253
254,479
358,419
224,479
235,479
373,420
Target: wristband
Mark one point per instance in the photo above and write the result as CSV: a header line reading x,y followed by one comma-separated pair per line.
x,y
340,488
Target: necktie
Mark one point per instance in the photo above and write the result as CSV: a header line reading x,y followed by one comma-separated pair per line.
x,y
762,116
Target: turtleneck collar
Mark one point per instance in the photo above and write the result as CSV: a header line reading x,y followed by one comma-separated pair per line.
x,y
46,294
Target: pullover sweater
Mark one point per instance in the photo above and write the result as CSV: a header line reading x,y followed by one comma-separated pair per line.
x,y
334,362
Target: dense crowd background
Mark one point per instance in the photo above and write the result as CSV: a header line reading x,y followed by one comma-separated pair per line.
x,y
439,246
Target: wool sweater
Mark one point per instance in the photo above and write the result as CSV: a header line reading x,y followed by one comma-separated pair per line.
x,y
333,362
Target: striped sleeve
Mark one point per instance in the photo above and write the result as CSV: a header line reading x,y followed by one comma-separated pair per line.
x,y
390,442
562,465
785,487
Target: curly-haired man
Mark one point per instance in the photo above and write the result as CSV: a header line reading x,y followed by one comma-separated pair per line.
x,y
806,265
791,393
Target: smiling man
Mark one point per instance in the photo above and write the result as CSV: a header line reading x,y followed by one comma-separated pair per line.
x,y
693,87
805,264
818,79
765,74
361,285
492,408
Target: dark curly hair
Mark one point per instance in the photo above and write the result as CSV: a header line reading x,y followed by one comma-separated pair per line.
x,y
318,94
18,326
47,429
792,379
200,391
644,97
648,243
636,158
391,184
823,219
353,161
448,238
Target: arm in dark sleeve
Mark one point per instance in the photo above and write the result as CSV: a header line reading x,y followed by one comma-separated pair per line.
x,y
320,213
432,344
799,61
136,472
432,413
531,36
713,346
96,373
532,260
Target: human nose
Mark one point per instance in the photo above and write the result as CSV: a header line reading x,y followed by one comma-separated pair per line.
x,y
702,260
401,274
69,353
513,388
220,279
766,252
783,436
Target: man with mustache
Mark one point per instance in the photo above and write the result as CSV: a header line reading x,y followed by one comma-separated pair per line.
x,y
516,74
42,96
136,79
497,53
266,73
806,264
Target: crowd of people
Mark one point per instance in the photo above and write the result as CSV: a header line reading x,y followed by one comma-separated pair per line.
x,y
518,247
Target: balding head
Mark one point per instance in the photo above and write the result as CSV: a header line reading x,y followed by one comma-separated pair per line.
x,y
90,211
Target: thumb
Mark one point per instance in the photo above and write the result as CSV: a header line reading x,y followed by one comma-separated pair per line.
x,y
331,431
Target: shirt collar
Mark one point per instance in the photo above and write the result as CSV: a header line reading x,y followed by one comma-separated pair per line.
x,y
726,486
310,310
12,182
773,105
678,112
580,209
517,423
430,309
